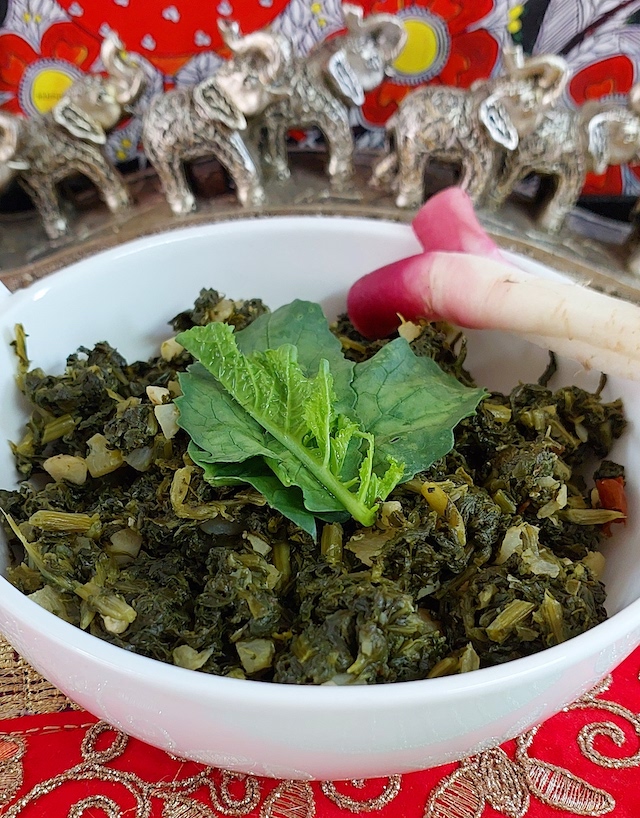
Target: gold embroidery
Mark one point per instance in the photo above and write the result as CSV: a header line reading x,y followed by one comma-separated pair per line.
x,y
505,783
101,802
88,747
493,778
23,691
391,790
86,772
559,788
290,799
177,807
226,803
459,795
590,732
12,749
93,768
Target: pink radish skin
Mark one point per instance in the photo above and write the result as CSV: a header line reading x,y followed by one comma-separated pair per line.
x,y
448,222
479,293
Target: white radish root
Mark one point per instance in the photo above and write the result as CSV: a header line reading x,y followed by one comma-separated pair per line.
x,y
480,293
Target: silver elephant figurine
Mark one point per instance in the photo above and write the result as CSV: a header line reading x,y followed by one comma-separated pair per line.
x,y
565,147
210,118
471,129
327,83
43,150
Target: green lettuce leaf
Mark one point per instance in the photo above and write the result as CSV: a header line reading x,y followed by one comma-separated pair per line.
x,y
307,442
303,324
216,422
278,406
288,500
410,406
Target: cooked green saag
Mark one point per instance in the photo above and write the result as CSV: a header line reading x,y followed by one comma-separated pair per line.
x,y
485,551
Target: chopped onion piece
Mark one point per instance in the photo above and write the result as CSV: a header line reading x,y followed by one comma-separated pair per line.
x,y
66,467
101,459
170,349
158,395
167,416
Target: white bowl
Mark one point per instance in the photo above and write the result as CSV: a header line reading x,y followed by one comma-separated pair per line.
x,y
125,296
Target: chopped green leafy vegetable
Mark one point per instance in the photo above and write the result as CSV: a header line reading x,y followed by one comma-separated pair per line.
x,y
223,550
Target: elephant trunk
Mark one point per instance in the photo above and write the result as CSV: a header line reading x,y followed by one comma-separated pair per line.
x,y
127,77
275,50
551,71
386,30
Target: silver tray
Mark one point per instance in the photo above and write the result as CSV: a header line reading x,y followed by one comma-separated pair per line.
x,y
589,248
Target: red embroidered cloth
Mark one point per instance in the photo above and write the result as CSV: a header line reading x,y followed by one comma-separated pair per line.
x,y
584,761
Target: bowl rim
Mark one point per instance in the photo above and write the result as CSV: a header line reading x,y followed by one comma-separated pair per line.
x,y
526,669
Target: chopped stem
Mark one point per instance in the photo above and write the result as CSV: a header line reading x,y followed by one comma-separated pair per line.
x,y
63,521
352,503
57,428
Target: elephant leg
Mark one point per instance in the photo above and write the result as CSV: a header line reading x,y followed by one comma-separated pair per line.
x,y
412,165
276,148
109,183
476,171
234,155
384,171
43,193
175,186
554,212
339,138
499,192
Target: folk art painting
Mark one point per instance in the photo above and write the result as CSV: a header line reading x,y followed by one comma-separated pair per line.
x,y
46,44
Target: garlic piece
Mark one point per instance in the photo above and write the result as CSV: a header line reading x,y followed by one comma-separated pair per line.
x,y
170,349
167,417
158,395
101,460
66,467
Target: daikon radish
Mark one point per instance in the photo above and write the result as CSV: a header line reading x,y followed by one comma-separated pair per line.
x,y
476,292
448,222
588,356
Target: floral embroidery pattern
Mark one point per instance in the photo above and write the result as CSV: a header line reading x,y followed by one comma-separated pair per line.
x,y
46,44
12,749
205,793
119,776
447,42
37,77
507,785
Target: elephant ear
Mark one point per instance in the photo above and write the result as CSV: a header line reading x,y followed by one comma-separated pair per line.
x,y
598,143
344,79
78,123
212,104
497,121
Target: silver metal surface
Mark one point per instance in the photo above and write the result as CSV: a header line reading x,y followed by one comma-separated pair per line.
x,y
43,150
328,82
471,129
588,248
564,147
210,118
